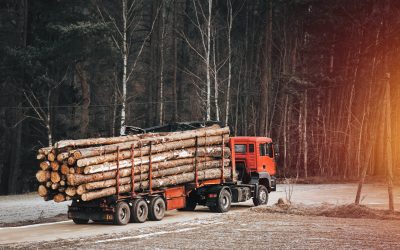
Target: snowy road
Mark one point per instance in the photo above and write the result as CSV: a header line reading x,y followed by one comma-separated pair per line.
x,y
29,206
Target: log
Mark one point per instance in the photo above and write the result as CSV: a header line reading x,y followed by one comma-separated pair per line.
x,y
61,189
43,176
42,190
77,179
64,169
71,191
59,197
55,186
215,151
158,174
161,182
55,177
41,157
72,170
45,150
54,165
44,165
62,183
71,160
62,156
96,151
48,184
158,148
103,141
51,156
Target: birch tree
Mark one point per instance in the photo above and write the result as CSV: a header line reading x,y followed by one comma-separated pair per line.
x,y
124,28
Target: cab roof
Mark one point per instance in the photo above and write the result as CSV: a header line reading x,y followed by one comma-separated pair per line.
x,y
247,139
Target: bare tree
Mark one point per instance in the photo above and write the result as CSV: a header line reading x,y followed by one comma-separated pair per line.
x,y
123,42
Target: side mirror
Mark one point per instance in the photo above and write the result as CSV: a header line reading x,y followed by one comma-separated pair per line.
x,y
276,150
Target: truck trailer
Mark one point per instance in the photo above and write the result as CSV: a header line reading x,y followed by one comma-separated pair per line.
x,y
252,162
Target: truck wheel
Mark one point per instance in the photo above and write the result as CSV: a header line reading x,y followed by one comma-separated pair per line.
x,y
262,196
223,202
122,213
80,221
156,208
190,205
139,211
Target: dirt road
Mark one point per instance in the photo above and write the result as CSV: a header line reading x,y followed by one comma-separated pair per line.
x,y
240,227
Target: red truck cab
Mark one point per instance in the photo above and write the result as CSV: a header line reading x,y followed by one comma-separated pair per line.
x,y
255,153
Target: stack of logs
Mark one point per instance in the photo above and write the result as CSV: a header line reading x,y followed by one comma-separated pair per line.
x,y
88,169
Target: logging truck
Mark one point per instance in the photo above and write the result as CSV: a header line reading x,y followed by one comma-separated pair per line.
x,y
252,162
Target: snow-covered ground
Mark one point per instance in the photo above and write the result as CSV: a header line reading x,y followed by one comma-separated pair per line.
x,y
14,208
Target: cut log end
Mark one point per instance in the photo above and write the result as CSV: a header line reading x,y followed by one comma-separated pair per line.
x,y
42,190
59,197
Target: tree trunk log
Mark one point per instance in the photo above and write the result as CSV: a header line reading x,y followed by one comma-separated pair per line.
x,y
40,157
45,165
45,151
161,182
42,190
54,165
64,169
164,140
43,176
62,156
51,156
166,156
71,191
202,141
59,197
143,177
77,179
55,177
104,141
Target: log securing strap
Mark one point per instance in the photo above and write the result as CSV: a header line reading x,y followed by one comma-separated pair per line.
x,y
133,170
150,171
196,177
222,160
117,175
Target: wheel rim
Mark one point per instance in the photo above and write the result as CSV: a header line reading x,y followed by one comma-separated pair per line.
x,y
225,201
263,197
158,208
141,211
122,213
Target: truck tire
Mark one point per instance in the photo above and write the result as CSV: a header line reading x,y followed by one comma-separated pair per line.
x,y
190,205
262,196
122,213
80,221
223,203
156,208
139,211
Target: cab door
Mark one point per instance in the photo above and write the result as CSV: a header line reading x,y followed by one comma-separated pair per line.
x,y
266,158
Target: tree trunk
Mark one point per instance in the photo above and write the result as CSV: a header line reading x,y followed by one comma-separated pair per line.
x,y
85,99
263,109
208,103
124,54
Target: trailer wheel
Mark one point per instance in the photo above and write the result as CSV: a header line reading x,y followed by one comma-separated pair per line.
x,y
139,211
156,208
223,203
80,221
122,213
262,196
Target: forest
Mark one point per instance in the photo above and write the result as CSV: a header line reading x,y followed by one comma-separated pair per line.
x,y
322,78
